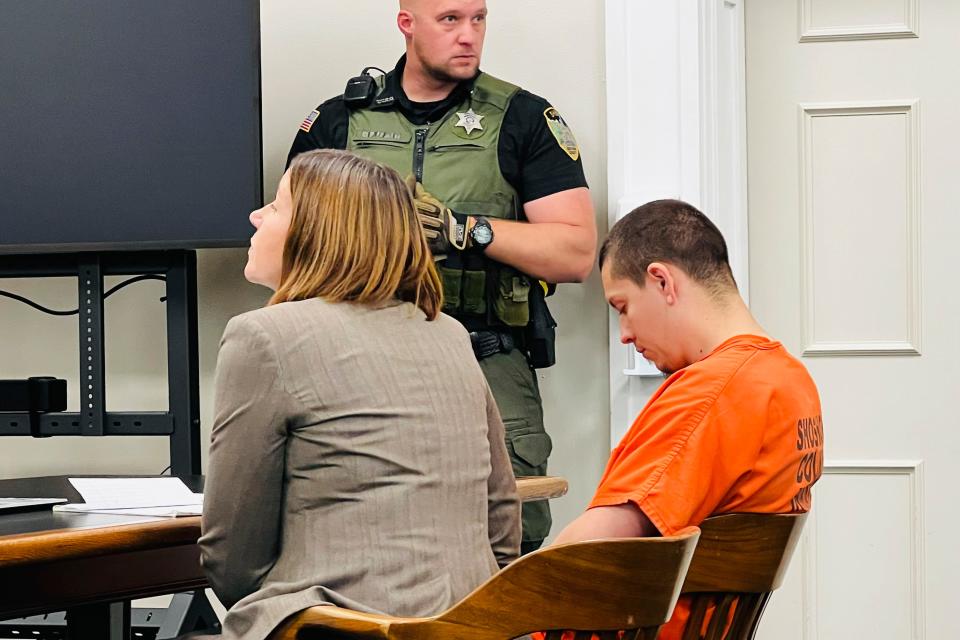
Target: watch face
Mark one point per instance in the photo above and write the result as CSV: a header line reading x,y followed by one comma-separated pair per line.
x,y
482,234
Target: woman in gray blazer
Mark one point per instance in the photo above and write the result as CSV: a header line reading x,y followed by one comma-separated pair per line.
x,y
357,455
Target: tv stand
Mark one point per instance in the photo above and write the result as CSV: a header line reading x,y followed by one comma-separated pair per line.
x,y
181,422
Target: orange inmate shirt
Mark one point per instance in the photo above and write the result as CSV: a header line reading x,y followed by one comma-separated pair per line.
x,y
737,432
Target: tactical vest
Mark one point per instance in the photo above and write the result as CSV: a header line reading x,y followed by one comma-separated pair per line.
x,y
456,160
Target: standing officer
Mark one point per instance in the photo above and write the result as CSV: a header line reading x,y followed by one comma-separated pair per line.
x,y
501,195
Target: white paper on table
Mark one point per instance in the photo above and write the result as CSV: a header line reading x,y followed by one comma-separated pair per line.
x,y
146,496
163,512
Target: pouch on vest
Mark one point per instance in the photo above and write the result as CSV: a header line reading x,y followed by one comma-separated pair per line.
x,y
463,276
474,292
511,302
450,282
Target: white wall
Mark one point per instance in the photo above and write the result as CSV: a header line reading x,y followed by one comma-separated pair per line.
x,y
310,48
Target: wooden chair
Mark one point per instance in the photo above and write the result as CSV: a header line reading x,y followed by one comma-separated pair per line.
x,y
597,586
739,561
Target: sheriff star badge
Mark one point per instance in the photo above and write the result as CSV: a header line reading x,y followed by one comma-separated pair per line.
x,y
469,121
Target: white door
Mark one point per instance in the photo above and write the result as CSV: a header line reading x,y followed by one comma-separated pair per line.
x,y
853,126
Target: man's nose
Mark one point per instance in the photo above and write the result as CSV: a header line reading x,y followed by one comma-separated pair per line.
x,y
468,34
256,217
626,335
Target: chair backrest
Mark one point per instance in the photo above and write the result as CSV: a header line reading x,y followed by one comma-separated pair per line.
x,y
740,559
599,586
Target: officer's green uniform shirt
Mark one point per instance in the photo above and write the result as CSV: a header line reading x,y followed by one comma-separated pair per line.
x,y
536,156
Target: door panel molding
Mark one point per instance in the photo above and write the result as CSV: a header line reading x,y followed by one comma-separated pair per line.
x,y
913,470
909,343
908,28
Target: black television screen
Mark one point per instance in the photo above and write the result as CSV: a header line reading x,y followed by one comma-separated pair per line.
x,y
128,124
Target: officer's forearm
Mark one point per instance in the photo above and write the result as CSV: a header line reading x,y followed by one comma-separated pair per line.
x,y
550,251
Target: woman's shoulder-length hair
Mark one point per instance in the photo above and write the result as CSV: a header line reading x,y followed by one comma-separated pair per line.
x,y
354,236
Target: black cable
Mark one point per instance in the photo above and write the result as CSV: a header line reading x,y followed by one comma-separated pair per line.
x,y
73,312
164,471
132,280
53,312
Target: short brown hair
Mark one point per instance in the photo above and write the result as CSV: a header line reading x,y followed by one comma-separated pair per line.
x,y
354,236
670,231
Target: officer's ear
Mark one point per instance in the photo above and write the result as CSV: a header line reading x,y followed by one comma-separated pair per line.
x,y
405,22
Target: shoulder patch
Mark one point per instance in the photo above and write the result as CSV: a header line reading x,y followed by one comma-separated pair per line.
x,y
307,123
558,127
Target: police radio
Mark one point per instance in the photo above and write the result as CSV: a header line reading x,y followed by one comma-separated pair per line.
x,y
361,89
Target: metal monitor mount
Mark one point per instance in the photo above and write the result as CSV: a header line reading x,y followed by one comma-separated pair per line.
x,y
181,422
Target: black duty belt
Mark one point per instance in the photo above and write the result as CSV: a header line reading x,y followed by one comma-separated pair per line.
x,y
488,343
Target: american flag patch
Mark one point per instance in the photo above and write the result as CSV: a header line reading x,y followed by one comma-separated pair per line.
x,y
307,123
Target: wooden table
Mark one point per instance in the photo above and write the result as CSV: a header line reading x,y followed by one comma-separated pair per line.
x,y
531,488
81,563
53,561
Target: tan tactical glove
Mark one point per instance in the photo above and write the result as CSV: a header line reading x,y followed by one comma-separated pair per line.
x,y
444,230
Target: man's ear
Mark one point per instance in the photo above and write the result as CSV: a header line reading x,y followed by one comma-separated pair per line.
x,y
405,23
663,279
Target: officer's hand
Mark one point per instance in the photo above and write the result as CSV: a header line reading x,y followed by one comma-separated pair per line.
x,y
444,232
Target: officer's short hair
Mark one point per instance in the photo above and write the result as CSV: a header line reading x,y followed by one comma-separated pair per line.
x,y
673,232
354,236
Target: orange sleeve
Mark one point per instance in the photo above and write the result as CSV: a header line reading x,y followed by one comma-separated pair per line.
x,y
678,460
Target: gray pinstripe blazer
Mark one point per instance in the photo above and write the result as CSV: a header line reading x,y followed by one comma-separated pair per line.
x,y
357,458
